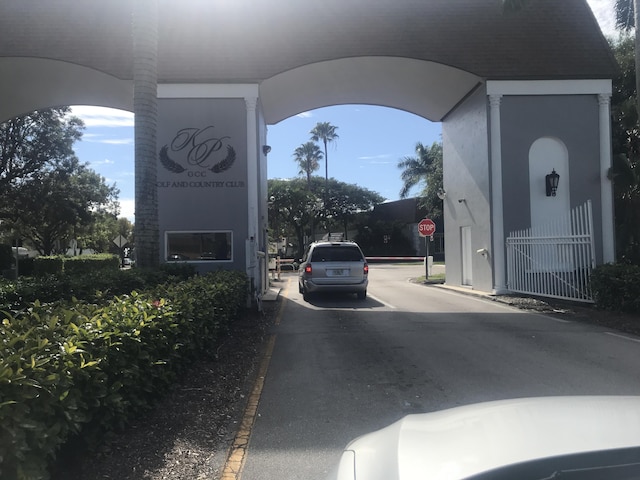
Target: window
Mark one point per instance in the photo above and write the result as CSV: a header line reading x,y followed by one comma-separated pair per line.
x,y
336,254
199,246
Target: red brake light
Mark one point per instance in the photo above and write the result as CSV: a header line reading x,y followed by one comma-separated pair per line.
x,y
307,269
366,268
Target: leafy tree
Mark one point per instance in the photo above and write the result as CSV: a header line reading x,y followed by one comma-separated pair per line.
x,y
627,17
47,208
308,155
346,201
425,168
32,143
99,234
294,206
290,209
626,152
326,133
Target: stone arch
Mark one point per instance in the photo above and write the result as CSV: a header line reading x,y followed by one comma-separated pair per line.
x,y
41,82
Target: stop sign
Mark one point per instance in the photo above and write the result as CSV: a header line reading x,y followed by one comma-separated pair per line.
x,y
426,227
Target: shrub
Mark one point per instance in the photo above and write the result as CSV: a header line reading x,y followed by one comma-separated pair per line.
x,y
91,287
616,287
50,265
91,263
86,369
7,257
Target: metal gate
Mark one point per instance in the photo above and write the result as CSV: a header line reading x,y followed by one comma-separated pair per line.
x,y
554,260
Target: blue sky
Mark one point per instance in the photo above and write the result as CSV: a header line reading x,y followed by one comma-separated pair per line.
x,y
372,140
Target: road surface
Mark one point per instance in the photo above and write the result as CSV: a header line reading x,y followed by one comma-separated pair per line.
x,y
341,367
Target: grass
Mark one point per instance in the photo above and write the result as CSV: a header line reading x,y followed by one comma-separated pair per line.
x,y
435,278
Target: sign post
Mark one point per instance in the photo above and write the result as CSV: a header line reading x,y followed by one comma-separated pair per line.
x,y
120,242
426,228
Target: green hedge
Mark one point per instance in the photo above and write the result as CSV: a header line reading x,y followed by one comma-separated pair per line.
x,y
616,287
91,263
86,369
57,264
7,257
50,265
91,287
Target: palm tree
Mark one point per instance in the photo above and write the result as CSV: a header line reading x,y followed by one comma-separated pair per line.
x,y
325,132
145,107
415,170
308,156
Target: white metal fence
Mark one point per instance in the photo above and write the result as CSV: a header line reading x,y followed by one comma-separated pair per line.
x,y
554,260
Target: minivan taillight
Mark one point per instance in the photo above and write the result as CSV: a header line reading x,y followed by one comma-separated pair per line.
x,y
366,268
307,269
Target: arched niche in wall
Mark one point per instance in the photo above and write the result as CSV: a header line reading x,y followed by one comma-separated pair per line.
x,y
549,213
545,155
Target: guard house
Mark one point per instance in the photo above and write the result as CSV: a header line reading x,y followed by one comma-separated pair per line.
x,y
523,98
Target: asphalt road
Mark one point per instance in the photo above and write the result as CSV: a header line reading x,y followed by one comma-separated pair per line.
x,y
343,367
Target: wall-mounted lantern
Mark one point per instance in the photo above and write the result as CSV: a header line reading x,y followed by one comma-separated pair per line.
x,y
551,182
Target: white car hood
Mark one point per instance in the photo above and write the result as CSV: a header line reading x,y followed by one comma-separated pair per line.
x,y
464,441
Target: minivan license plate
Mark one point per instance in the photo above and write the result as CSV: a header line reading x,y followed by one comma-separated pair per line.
x,y
338,272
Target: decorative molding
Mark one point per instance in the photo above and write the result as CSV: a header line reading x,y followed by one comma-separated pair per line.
x,y
207,90
548,87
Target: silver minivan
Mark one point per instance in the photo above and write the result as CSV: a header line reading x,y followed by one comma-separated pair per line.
x,y
333,267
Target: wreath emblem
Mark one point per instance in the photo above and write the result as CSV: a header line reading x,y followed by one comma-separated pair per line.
x,y
200,146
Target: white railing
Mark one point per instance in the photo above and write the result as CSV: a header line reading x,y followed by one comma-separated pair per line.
x,y
554,260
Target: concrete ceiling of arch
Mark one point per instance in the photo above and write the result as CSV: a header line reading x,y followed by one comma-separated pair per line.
x,y
66,51
427,89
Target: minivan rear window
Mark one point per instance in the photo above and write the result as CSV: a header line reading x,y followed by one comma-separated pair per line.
x,y
336,254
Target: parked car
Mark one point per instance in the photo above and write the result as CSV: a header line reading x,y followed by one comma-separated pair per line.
x,y
333,267
582,437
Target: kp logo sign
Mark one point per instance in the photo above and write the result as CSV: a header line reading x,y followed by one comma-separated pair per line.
x,y
199,149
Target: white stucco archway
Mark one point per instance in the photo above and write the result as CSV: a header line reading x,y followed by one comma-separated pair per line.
x,y
428,89
40,82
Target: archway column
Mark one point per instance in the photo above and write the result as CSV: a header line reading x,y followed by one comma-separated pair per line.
x,y
497,221
252,187
606,187
145,108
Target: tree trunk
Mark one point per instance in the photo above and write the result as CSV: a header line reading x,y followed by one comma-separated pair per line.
x,y
145,108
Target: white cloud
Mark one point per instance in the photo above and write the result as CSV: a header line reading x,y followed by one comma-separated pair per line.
x,y
118,141
604,13
305,115
375,157
106,161
127,208
102,116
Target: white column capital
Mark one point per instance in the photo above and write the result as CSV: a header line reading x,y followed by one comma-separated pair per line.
x,y
251,103
604,99
495,100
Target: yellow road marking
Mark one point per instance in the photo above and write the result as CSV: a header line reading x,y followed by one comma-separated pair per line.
x,y
238,451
